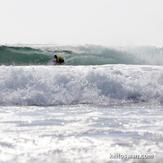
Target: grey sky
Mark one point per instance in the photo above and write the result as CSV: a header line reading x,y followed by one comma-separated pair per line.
x,y
104,22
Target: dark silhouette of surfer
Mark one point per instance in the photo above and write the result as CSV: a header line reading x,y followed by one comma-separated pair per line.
x,y
58,60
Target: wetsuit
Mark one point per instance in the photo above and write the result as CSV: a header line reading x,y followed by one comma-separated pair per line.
x,y
59,60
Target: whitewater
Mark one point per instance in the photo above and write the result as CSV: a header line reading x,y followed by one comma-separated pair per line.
x,y
102,105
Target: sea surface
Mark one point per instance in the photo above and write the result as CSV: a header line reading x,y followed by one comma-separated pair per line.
x,y
103,105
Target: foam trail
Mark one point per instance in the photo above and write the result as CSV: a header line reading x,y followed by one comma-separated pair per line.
x,y
99,85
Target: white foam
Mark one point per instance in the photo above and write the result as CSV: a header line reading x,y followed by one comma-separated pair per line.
x,y
80,133
55,85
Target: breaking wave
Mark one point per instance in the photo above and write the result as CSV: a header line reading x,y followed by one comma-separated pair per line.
x,y
67,85
80,55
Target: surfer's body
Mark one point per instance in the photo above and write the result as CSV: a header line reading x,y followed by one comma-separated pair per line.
x,y
58,59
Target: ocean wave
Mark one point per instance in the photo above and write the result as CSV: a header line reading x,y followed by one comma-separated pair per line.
x,y
80,55
22,56
68,85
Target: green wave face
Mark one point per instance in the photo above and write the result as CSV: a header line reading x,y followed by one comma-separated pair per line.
x,y
80,55
108,57
86,56
22,56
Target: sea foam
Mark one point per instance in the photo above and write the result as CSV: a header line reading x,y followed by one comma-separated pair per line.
x,y
67,85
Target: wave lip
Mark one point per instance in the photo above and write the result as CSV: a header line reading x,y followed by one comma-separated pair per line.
x,y
68,85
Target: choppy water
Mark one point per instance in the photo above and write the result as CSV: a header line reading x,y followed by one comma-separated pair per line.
x,y
80,133
102,102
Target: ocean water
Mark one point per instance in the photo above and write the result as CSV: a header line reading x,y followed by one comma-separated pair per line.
x,y
103,105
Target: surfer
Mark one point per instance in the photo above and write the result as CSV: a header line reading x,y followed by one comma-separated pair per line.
x,y
58,60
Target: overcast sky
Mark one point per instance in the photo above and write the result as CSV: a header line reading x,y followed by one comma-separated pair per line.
x,y
103,22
